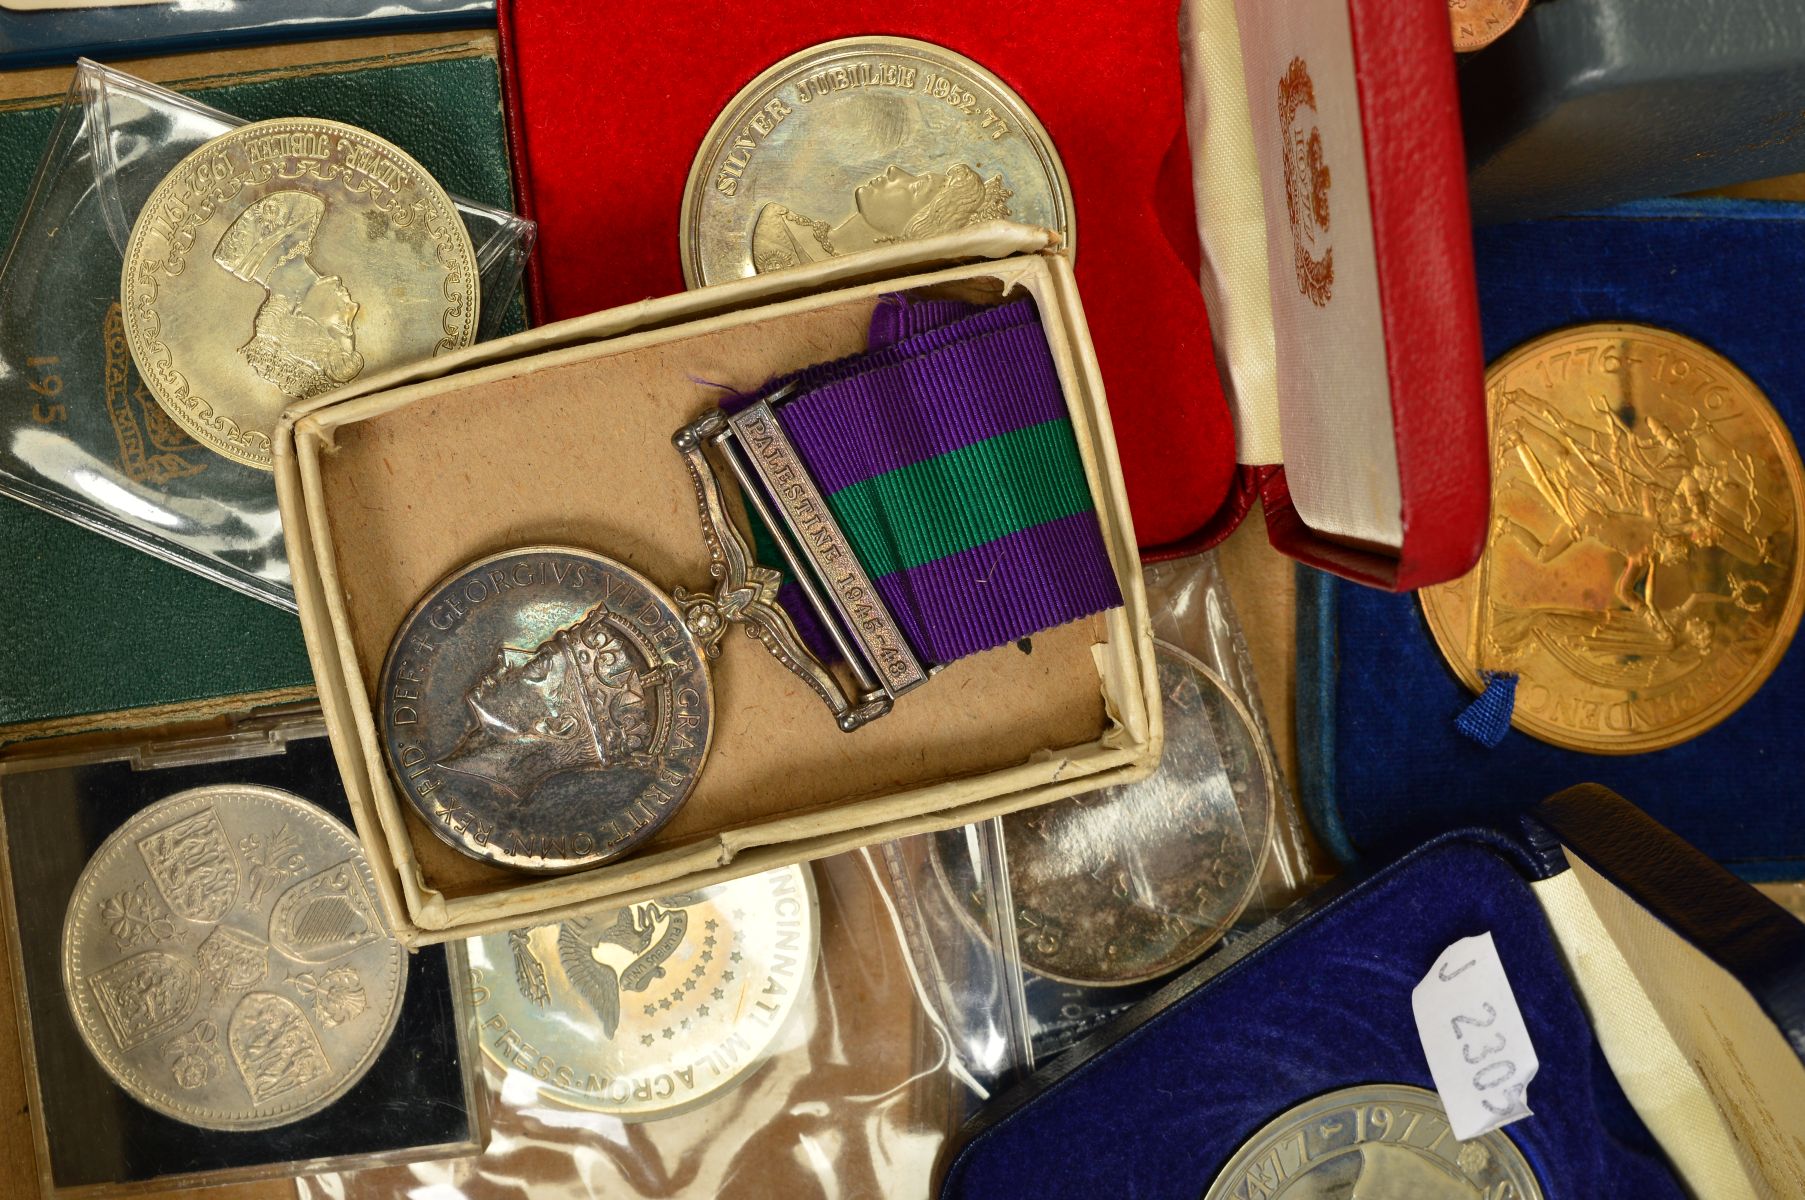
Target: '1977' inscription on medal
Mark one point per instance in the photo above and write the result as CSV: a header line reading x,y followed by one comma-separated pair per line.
x,y
545,709
1386,1140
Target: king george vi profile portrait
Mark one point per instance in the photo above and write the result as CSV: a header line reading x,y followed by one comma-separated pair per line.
x,y
573,702
892,207
303,339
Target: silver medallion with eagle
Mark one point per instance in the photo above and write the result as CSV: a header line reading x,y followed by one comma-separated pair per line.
x,y
655,1008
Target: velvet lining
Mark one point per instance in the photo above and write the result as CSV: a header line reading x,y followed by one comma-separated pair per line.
x,y
1385,765
1323,1006
608,112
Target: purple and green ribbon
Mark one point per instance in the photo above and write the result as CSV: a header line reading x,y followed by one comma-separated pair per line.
x,y
948,458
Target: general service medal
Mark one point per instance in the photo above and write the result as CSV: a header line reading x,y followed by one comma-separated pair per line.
x,y
1384,1140
1641,573
281,261
1128,884
655,1008
858,143
225,959
546,708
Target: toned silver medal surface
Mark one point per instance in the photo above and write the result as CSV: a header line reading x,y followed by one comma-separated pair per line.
x,y
225,959
1380,1139
656,1008
1127,884
546,708
283,260
859,143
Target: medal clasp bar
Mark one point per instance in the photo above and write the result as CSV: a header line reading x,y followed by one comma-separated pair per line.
x,y
777,487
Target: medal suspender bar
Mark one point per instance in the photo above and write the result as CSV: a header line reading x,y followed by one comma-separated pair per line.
x,y
927,498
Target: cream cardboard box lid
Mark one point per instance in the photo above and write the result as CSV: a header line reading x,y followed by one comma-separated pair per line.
x,y
561,435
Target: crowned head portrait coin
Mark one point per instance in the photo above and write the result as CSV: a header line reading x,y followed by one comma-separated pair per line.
x,y
545,708
226,960
859,143
284,260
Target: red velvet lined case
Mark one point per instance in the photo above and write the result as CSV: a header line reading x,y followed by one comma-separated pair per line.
x,y
606,112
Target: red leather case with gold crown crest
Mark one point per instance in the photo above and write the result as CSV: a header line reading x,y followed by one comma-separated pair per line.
x,y
1329,366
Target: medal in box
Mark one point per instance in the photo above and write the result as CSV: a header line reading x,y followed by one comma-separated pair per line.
x,y
1661,1056
606,460
1641,583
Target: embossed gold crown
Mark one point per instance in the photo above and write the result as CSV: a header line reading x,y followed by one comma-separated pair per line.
x,y
603,689
272,231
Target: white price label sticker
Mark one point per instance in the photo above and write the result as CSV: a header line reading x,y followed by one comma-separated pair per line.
x,y
1474,1038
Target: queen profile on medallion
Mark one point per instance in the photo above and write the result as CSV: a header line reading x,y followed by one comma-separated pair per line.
x,y
576,701
1381,1172
894,206
303,338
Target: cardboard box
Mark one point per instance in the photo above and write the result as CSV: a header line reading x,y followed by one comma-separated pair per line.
x,y
562,436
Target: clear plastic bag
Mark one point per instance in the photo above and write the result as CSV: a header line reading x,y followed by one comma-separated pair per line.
x,y
80,435
1109,895
854,1095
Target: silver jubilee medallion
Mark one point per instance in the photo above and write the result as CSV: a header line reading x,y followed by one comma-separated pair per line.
x,y
226,961
1383,1139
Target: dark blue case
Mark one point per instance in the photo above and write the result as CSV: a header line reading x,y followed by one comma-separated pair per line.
x,y
1383,765
48,36
1319,1000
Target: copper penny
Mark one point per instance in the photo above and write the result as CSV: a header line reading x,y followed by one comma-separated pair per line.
x,y
1479,23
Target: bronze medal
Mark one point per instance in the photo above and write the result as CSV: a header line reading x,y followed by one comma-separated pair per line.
x,y
1641,574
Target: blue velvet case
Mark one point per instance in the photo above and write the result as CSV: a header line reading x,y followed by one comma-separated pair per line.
x,y
1321,1000
1383,765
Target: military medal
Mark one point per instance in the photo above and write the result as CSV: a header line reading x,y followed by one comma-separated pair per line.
x,y
1385,1140
1641,574
652,1009
1131,883
225,960
859,143
548,708
281,261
